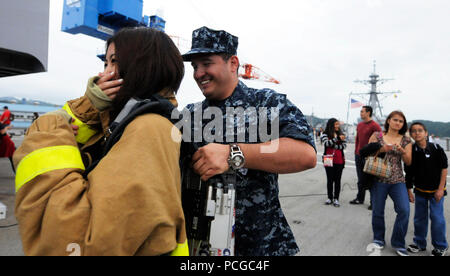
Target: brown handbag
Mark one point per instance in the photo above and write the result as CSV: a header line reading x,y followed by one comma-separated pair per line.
x,y
380,167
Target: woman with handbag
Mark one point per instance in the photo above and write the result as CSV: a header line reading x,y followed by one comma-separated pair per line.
x,y
397,148
333,159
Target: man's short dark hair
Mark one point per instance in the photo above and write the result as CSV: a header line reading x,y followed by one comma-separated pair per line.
x,y
418,124
225,56
368,109
5,107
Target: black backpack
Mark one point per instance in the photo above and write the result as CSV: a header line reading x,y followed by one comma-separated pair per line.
x,y
156,104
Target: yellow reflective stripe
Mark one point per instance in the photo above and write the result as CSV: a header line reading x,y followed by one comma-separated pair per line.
x,y
181,250
45,160
85,132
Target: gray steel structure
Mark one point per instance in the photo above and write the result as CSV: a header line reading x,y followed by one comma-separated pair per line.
x,y
374,101
24,32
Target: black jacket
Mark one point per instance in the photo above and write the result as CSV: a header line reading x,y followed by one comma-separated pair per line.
x,y
424,173
367,180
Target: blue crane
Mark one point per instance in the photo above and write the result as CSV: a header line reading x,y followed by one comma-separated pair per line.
x,y
102,18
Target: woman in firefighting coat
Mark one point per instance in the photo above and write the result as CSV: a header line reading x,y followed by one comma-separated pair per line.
x,y
130,203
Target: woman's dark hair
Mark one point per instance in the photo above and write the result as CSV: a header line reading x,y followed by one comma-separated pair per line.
x,y
148,62
329,129
418,124
404,129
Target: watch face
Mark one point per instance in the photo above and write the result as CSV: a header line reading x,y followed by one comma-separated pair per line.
x,y
238,161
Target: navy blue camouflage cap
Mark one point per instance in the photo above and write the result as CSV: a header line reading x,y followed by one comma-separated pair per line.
x,y
208,41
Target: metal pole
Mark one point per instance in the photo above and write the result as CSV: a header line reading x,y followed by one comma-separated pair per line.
x,y
348,112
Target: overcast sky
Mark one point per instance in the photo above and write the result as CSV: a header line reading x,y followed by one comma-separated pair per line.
x,y
316,48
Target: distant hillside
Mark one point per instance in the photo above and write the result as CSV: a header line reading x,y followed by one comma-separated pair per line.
x,y
14,100
439,129
316,122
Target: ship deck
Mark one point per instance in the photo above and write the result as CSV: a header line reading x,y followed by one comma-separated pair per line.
x,y
319,230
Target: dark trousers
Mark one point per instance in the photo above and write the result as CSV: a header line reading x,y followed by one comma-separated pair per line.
x,y
429,209
361,196
334,175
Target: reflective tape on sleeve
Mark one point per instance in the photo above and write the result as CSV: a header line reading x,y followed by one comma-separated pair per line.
x,y
85,132
182,250
45,160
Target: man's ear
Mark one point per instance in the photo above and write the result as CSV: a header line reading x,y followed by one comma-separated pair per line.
x,y
234,62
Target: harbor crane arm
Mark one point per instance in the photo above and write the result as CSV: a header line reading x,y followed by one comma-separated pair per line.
x,y
252,72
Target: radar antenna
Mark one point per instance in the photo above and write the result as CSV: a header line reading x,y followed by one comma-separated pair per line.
x,y
374,100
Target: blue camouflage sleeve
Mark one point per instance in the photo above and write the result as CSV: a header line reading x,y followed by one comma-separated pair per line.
x,y
293,123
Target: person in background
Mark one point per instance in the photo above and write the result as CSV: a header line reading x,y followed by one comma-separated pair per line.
x,y
35,116
364,131
320,134
7,146
428,175
334,142
5,118
397,147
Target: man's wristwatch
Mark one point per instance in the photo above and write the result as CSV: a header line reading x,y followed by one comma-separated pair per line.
x,y
236,160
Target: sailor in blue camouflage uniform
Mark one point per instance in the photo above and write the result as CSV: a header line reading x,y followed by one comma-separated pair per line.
x,y
261,227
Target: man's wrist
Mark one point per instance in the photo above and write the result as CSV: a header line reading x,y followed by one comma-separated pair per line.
x,y
236,159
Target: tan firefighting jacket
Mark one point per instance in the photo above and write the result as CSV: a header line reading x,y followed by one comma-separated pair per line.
x,y
130,204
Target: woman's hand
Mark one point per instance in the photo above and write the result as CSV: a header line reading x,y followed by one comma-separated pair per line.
x,y
412,199
400,149
74,127
108,84
386,148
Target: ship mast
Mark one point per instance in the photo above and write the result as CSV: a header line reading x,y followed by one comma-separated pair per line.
x,y
374,100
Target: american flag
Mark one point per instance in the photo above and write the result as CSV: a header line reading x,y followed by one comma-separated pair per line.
x,y
356,104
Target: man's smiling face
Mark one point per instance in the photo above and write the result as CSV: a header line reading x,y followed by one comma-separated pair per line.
x,y
213,75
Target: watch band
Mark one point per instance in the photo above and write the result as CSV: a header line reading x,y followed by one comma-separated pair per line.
x,y
236,160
